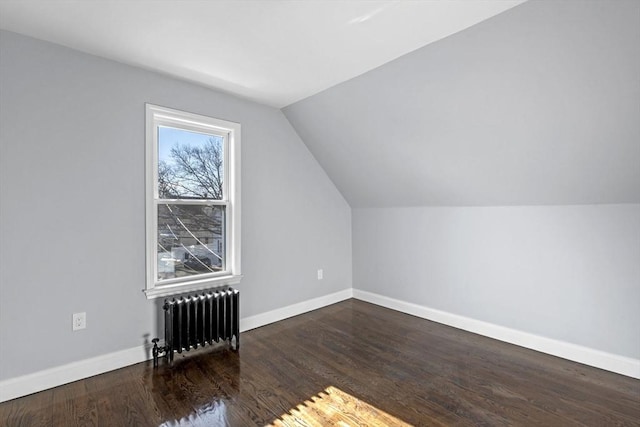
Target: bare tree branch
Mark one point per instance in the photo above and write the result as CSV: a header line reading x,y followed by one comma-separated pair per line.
x,y
194,172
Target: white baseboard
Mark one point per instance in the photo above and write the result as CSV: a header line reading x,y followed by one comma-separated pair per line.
x,y
588,356
293,310
53,377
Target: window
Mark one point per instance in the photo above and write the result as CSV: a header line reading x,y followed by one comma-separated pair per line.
x,y
193,201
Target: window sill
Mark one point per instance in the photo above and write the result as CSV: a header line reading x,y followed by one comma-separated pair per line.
x,y
180,288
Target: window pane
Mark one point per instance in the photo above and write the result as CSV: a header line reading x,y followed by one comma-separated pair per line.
x,y
190,164
190,240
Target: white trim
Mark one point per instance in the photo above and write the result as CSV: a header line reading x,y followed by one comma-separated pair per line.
x,y
53,377
21,386
231,133
42,380
293,310
576,353
195,285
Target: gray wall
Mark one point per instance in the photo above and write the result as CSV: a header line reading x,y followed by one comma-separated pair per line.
x,y
72,205
570,273
537,105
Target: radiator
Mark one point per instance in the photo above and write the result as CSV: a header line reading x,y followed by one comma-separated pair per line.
x,y
196,320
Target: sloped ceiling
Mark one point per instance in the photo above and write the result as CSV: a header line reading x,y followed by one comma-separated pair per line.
x,y
538,105
273,52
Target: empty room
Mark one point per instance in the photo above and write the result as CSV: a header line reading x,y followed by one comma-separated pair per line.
x,y
320,213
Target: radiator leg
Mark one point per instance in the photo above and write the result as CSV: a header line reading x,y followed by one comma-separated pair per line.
x,y
155,352
235,347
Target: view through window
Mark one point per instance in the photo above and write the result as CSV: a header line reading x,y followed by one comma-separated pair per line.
x,y
191,200
190,229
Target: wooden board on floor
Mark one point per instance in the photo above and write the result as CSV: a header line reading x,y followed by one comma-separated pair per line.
x,y
348,364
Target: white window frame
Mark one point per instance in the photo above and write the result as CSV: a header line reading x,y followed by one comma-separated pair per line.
x,y
161,116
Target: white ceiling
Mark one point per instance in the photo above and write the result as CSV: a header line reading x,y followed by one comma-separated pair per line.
x,y
273,52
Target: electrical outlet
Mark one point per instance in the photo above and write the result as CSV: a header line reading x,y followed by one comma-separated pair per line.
x,y
320,274
79,321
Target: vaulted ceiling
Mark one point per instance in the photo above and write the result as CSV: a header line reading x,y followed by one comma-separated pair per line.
x,y
539,105
404,103
274,52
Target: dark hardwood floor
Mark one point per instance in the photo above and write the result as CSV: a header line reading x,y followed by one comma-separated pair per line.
x,y
416,371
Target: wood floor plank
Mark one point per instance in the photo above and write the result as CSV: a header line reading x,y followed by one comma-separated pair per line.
x,y
353,363
74,406
30,411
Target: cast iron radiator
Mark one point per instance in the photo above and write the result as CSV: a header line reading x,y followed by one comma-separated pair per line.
x,y
197,320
